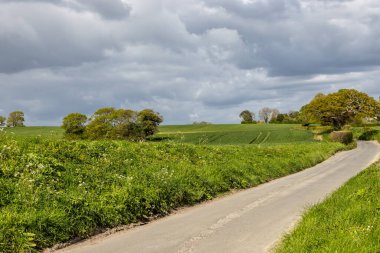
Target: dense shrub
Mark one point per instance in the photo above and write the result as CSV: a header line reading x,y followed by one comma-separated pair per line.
x,y
368,134
345,137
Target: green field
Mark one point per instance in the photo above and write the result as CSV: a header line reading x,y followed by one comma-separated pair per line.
x,y
234,134
200,134
348,221
56,190
50,132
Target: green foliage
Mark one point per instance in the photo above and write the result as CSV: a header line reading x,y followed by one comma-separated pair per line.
x,y
55,190
2,120
291,117
345,137
149,121
348,221
16,119
234,134
74,124
368,134
247,117
111,123
339,108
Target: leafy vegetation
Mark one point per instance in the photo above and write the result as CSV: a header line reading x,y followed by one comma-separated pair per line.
x,y
340,108
247,117
235,134
111,123
348,221
16,119
56,190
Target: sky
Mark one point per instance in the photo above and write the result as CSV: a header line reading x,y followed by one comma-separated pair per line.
x,y
189,60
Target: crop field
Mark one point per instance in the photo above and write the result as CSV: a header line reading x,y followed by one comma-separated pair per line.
x,y
38,131
348,221
200,134
235,134
56,190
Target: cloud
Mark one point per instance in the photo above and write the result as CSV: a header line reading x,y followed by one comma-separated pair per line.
x,y
198,60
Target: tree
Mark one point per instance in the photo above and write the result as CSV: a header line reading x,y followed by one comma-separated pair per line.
x,y
2,120
111,123
16,119
149,121
247,117
101,123
267,114
124,125
280,118
339,108
74,124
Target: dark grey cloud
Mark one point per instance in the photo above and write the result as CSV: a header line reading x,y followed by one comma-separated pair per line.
x,y
194,60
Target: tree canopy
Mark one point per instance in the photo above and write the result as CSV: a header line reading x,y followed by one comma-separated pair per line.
x,y
340,108
247,117
111,123
267,114
74,124
16,119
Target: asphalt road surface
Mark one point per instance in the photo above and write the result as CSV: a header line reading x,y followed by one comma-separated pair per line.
x,y
247,221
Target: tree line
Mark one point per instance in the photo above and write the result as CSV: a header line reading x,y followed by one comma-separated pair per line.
x,y
15,119
270,115
346,106
111,123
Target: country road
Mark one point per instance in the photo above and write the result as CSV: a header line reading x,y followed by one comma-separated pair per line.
x,y
247,221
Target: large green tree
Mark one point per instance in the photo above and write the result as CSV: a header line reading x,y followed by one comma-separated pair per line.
x,y
247,117
16,119
340,108
149,121
74,124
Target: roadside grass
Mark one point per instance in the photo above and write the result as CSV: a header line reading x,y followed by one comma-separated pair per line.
x,y
235,134
56,190
347,221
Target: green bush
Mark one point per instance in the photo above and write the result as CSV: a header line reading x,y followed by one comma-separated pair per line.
x,y
368,134
344,137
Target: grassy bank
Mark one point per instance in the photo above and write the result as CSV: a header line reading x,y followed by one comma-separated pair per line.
x,y
52,191
348,221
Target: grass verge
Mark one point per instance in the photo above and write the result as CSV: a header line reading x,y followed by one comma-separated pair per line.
x,y
347,221
56,190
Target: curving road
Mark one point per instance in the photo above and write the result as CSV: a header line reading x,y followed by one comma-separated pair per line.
x,y
248,221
